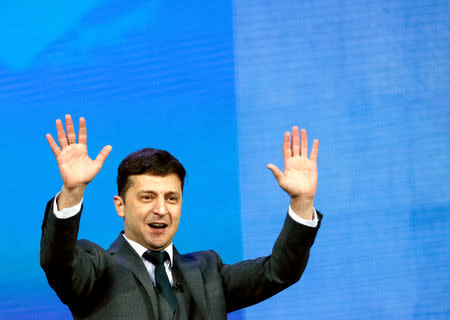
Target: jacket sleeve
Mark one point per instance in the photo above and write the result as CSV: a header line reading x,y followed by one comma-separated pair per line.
x,y
71,267
252,281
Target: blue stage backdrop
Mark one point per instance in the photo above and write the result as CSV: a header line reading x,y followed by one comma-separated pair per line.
x,y
143,74
217,84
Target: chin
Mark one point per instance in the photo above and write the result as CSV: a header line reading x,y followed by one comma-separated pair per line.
x,y
156,245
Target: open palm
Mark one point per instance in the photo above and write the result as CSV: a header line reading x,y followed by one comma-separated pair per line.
x,y
300,176
76,167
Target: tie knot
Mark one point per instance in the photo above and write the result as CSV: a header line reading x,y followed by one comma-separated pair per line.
x,y
156,257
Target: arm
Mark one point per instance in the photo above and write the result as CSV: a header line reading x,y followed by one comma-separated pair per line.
x,y
249,282
72,267
70,270
252,281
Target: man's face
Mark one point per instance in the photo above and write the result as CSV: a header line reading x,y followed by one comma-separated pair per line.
x,y
151,209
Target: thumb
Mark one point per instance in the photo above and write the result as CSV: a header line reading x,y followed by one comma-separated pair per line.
x,y
276,172
103,154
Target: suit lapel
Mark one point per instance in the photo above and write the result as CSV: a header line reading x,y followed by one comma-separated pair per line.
x,y
192,276
126,256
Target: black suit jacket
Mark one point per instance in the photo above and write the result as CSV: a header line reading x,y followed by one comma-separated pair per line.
x,y
114,283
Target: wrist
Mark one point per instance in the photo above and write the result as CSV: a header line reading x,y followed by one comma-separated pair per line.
x,y
69,197
303,207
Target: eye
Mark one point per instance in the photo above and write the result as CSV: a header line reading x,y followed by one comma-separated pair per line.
x,y
146,197
172,199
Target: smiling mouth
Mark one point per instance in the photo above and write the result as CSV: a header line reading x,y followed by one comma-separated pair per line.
x,y
157,225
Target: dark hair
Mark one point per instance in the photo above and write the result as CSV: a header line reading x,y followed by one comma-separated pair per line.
x,y
147,161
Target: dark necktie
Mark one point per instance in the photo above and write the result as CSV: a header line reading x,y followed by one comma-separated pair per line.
x,y
161,279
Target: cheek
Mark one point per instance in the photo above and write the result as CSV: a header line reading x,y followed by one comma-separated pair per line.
x,y
136,214
176,217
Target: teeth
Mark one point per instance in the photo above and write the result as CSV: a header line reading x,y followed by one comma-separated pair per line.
x,y
157,225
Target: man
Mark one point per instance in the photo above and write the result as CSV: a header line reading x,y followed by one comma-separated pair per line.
x,y
142,275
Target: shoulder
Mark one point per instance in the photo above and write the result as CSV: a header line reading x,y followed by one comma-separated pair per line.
x,y
89,246
200,255
206,258
88,250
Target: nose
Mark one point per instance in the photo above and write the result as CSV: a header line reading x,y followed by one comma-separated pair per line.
x,y
160,207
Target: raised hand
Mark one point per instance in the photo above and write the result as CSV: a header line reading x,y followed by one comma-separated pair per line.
x,y
299,178
76,167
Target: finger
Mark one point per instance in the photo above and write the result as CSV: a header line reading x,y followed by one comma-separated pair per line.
x,y
303,143
53,145
71,137
315,150
61,134
295,142
276,171
287,152
103,154
82,133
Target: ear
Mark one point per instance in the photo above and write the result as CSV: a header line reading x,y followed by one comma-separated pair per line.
x,y
120,206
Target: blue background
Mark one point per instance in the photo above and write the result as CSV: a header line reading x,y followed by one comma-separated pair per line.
x,y
217,84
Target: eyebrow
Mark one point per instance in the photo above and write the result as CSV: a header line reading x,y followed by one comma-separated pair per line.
x,y
166,193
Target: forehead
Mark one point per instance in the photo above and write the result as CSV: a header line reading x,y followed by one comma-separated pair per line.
x,y
169,183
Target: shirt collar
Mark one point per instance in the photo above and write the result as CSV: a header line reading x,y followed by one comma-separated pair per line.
x,y
140,249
